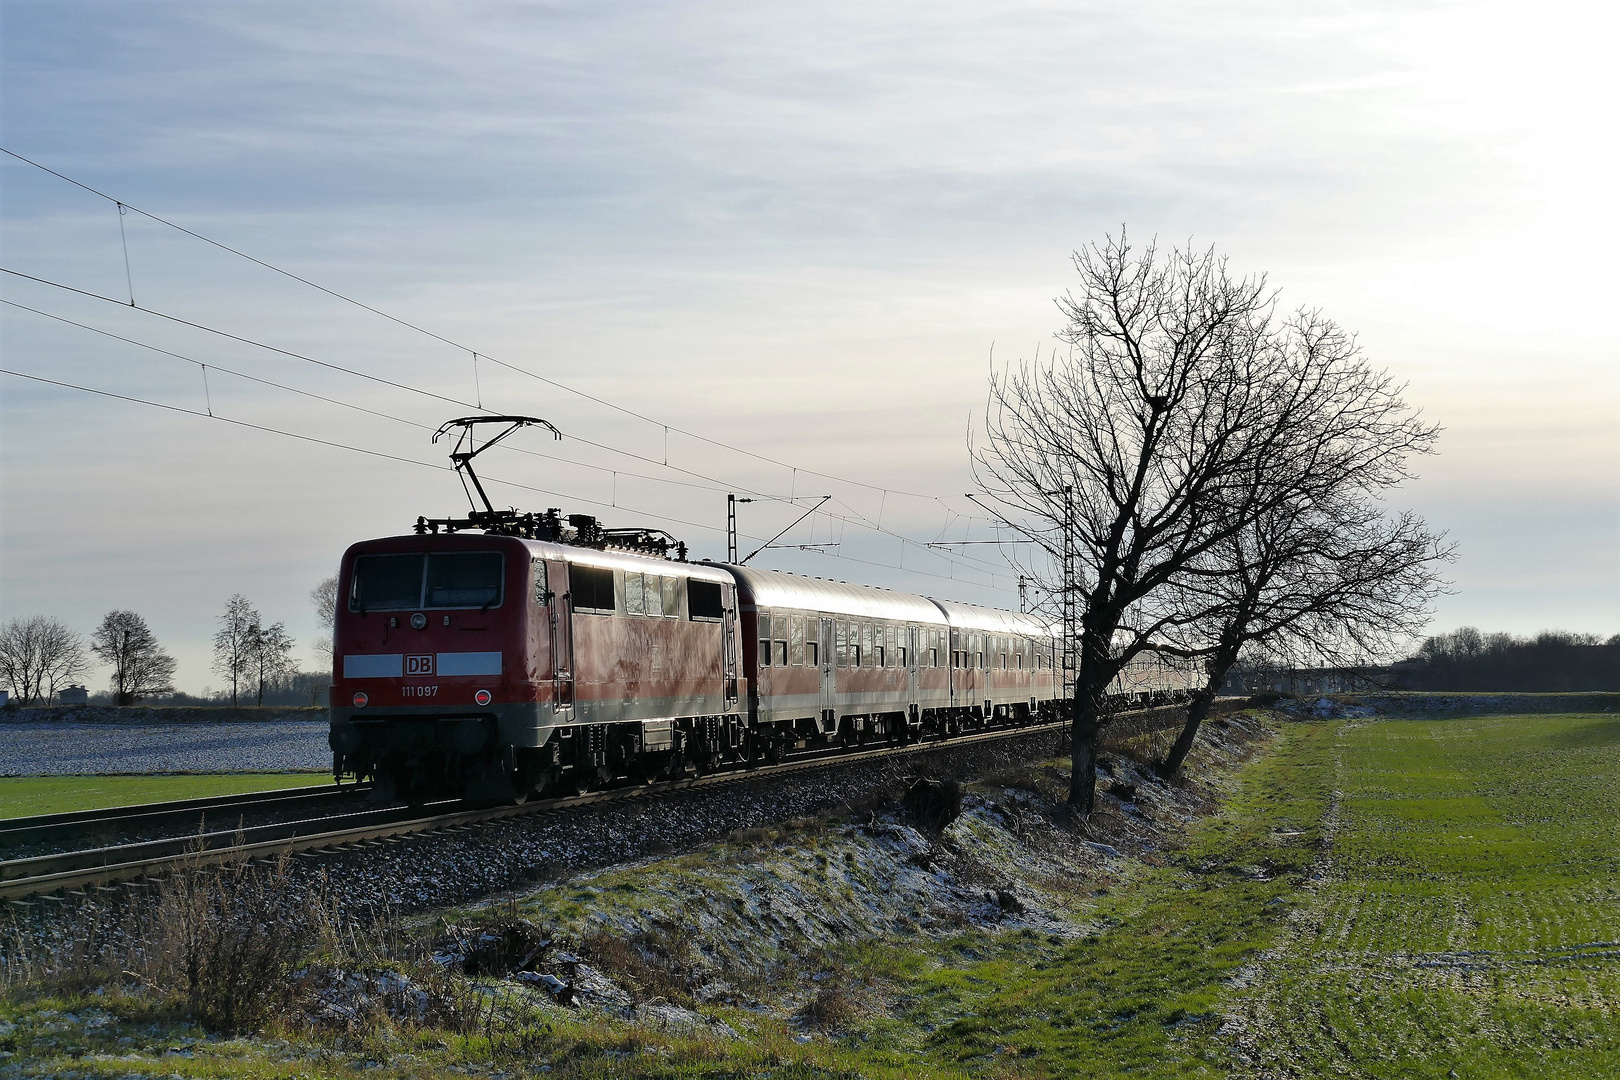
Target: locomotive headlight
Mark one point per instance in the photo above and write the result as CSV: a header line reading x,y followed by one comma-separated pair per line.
x,y
482,697
360,700
418,621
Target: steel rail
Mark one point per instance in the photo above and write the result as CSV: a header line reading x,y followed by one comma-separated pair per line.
x,y
50,874
43,826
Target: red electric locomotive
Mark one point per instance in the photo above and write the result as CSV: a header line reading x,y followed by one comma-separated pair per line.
x,y
539,655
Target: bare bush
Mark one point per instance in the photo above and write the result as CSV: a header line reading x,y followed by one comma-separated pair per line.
x,y
38,656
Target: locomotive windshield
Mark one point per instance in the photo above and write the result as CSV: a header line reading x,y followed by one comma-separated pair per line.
x,y
442,579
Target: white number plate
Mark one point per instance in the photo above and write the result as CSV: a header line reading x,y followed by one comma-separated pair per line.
x,y
420,691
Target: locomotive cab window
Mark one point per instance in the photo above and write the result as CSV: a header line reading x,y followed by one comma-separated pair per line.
x,y
591,588
441,579
386,582
703,600
463,579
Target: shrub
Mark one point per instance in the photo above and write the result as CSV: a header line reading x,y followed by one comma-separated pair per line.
x,y
933,803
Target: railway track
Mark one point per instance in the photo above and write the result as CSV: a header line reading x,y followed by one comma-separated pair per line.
x,y
73,873
175,816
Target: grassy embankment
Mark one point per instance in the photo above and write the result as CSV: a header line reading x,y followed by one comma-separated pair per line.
x,y
1407,898
24,796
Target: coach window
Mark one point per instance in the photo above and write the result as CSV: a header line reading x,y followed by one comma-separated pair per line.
x,y
703,601
591,588
841,643
880,651
796,640
812,646
764,639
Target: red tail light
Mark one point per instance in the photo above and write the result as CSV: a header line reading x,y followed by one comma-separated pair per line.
x,y
360,700
482,697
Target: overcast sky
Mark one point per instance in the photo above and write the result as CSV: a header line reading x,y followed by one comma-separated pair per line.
x,y
799,230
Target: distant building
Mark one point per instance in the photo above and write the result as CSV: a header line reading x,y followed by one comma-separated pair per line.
x,y
73,695
5,698
1307,680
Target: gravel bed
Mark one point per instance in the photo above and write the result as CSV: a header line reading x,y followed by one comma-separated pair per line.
x,y
67,749
430,871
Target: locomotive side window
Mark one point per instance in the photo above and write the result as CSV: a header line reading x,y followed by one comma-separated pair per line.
x,y
463,579
386,582
592,588
542,590
703,600
632,594
672,597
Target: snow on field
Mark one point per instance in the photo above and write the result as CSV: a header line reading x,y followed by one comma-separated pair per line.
x,y
62,749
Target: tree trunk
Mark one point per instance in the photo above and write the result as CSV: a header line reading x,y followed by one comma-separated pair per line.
x,y
1083,758
1090,689
1197,710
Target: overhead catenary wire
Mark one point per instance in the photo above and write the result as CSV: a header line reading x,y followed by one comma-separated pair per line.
x,y
265,428
565,387
858,519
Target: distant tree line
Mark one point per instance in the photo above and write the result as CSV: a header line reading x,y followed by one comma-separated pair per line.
x,y
1550,662
40,656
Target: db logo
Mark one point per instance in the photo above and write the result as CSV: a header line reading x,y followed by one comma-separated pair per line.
x,y
419,665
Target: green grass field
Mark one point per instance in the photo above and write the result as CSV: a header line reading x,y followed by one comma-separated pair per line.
x,y
1397,898
24,796
1469,923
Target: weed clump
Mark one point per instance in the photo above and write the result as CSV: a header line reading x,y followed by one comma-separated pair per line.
x,y
832,1007
658,963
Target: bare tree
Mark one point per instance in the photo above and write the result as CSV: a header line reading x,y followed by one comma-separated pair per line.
x,y
1336,581
1183,411
140,667
269,655
38,655
324,597
233,642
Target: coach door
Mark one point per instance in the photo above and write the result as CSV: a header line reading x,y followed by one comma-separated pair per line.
x,y
829,678
728,636
911,662
560,609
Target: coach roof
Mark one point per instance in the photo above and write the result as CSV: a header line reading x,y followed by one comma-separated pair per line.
x,y
996,621
773,589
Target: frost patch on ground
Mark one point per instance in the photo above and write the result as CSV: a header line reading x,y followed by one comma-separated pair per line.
x,y
752,921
